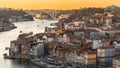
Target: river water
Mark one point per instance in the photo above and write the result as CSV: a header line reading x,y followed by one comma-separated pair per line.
x,y
36,26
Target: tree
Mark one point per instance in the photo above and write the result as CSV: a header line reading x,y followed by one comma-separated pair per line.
x,y
84,43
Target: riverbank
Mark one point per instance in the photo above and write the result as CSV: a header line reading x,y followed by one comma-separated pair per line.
x,y
43,62
7,27
7,36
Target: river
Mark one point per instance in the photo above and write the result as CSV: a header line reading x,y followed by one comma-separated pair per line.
x,y
36,26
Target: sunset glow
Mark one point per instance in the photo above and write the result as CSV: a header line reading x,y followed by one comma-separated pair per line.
x,y
57,4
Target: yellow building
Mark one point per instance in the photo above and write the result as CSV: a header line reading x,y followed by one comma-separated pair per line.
x,y
63,16
38,16
41,16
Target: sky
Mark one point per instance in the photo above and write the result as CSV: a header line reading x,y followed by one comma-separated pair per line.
x,y
56,4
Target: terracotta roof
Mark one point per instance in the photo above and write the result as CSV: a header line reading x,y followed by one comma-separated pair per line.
x,y
118,33
105,47
51,35
91,30
109,46
34,43
110,29
70,36
94,25
40,34
118,49
116,58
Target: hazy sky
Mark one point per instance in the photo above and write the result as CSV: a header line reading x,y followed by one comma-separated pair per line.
x,y
57,4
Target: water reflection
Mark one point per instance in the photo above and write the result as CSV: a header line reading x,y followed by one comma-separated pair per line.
x,y
22,64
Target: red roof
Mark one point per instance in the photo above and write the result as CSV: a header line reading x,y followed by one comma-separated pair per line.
x,y
110,29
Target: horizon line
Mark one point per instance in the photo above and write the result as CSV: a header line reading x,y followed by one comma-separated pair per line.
x,y
56,8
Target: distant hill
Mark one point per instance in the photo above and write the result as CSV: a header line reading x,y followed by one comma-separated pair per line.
x,y
11,14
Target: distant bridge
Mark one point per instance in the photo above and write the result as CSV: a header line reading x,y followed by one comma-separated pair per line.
x,y
51,13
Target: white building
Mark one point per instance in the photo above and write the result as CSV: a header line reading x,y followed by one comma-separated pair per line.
x,y
39,50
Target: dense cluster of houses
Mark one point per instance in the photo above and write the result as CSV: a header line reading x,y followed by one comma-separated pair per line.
x,y
6,26
25,17
81,44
